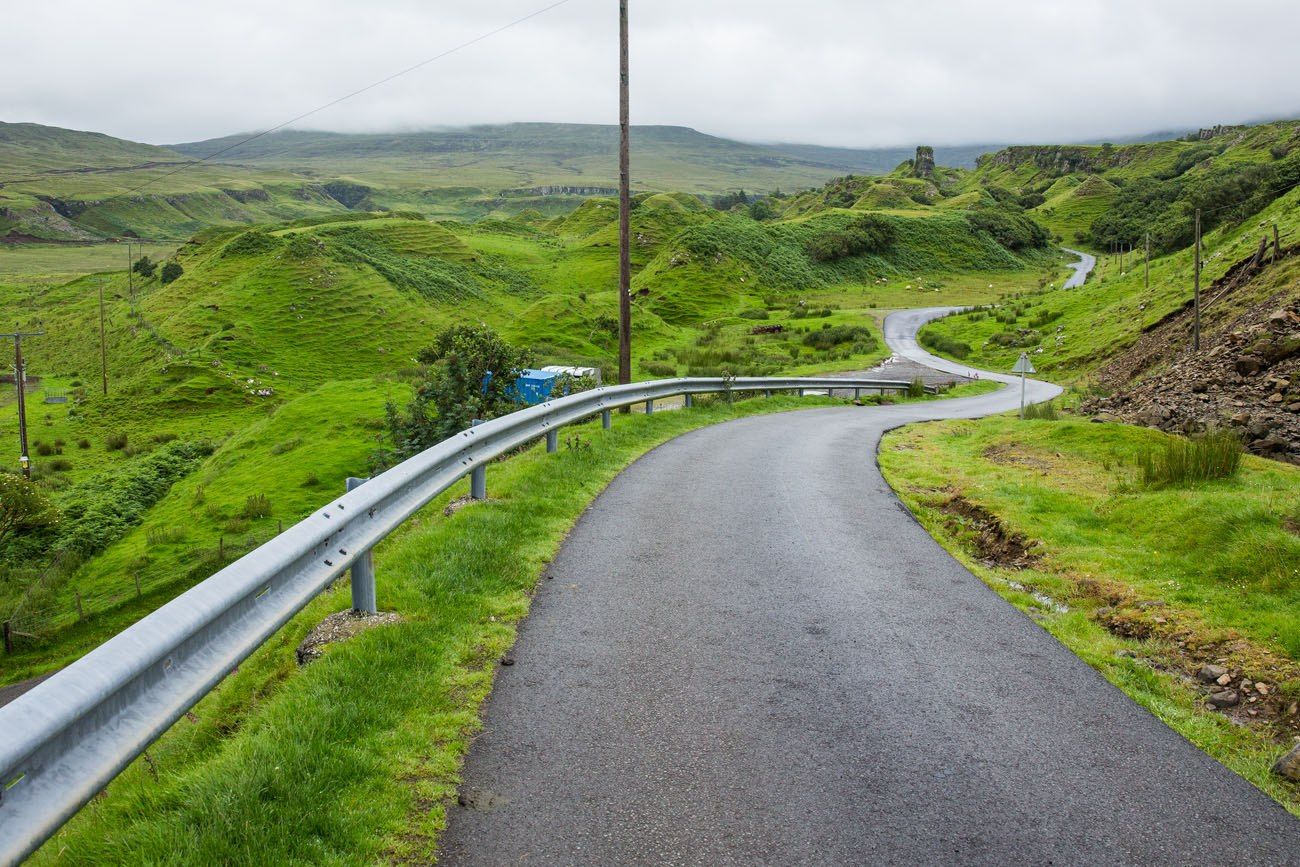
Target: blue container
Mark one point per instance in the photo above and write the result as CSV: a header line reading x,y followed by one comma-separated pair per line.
x,y
534,386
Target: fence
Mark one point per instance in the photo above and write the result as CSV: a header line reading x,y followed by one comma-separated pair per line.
x,y
69,736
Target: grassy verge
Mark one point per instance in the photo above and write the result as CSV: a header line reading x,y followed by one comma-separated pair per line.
x,y
1145,584
358,751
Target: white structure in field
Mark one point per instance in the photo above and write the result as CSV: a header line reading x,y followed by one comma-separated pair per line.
x,y
576,372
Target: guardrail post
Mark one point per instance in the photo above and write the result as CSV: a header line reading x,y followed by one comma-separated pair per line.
x,y
553,440
690,400
606,419
857,394
363,572
478,475
767,392
801,392
649,407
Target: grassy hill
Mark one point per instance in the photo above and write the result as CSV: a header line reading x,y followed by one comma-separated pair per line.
x,y
1097,196
244,392
67,186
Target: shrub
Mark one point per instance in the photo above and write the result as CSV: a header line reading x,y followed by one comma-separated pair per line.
x,y
115,442
170,272
866,234
257,506
60,465
1009,227
107,505
831,336
916,388
454,392
24,508
756,313
945,345
1179,461
44,449
144,266
83,443
236,526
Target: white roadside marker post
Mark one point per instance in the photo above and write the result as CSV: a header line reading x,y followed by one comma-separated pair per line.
x,y
1023,366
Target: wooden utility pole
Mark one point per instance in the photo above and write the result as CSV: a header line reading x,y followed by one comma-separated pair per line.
x,y
20,376
130,280
103,349
1196,289
624,207
1146,266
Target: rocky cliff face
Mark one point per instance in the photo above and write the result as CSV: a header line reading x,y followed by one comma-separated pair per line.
x,y
1246,377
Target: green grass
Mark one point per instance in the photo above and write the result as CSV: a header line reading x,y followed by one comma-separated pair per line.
x,y
1108,314
1221,556
359,751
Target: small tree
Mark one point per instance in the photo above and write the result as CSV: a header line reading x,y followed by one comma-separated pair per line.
x,y
170,271
453,391
144,266
23,507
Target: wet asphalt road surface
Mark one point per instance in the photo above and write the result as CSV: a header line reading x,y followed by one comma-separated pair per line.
x,y
748,652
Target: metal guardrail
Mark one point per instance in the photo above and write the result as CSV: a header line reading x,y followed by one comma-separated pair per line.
x,y
65,739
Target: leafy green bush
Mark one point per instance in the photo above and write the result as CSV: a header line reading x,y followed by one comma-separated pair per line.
x,y
942,344
866,234
453,391
171,271
1022,338
830,337
108,504
1178,461
24,508
1010,227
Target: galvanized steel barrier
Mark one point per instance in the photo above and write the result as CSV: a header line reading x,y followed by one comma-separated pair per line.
x,y
65,739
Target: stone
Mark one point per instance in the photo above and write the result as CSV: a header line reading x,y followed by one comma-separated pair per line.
x,y
1210,672
1223,679
1289,765
1261,688
1226,698
1276,397
1248,365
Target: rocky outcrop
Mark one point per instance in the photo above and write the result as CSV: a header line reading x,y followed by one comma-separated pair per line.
x,y
1246,378
923,163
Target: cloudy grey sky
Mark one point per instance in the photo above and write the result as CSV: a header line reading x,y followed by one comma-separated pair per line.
x,y
843,72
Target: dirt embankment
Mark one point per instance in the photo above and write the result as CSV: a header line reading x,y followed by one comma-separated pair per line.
x,y
1246,376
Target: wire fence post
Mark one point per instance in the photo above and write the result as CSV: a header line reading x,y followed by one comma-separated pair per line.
x,y
363,572
137,585
9,638
81,614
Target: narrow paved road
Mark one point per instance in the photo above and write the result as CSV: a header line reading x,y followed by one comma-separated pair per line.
x,y
748,652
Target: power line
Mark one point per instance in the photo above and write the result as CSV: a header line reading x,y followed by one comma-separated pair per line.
x,y
423,63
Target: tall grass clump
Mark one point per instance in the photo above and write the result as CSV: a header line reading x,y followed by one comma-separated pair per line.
x,y
916,388
1041,411
1179,462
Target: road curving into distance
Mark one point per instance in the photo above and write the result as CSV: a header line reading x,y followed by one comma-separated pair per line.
x,y
748,652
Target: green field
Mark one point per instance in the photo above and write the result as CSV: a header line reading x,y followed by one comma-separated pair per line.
x,y
1146,585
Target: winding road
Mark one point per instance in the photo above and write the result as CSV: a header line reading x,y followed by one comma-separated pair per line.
x,y
748,652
